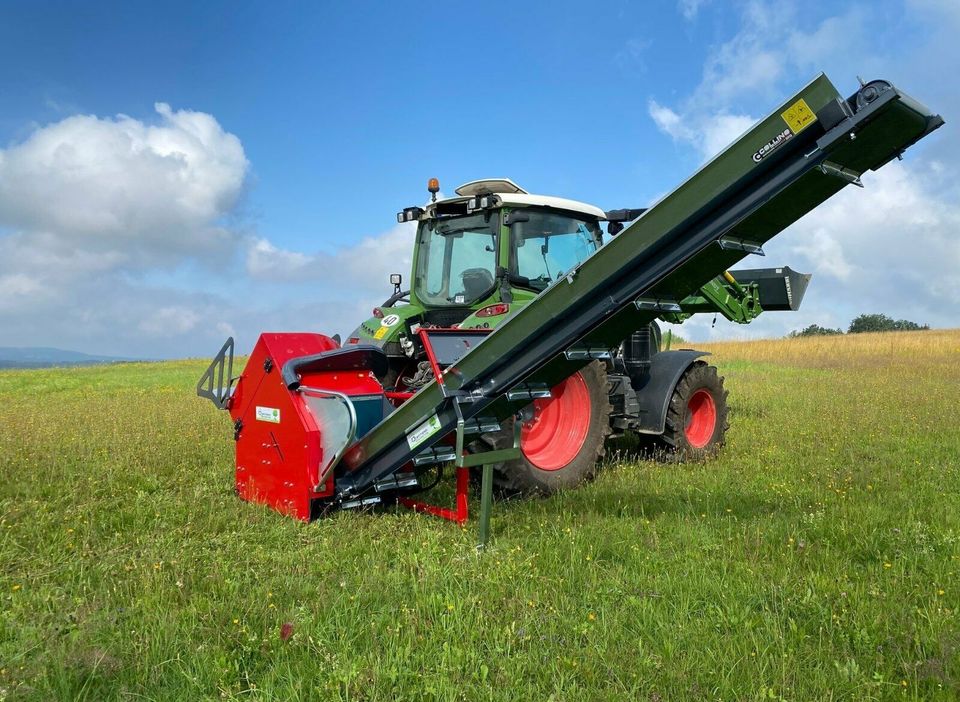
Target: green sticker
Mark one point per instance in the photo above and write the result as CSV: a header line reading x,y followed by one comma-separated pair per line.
x,y
268,414
423,432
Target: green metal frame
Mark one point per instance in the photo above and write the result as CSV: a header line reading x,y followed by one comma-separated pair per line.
x,y
724,295
486,459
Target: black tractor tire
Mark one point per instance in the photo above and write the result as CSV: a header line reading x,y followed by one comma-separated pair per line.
x,y
522,477
696,424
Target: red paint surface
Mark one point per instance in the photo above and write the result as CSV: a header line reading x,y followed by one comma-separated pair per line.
x,y
277,463
701,418
458,515
555,434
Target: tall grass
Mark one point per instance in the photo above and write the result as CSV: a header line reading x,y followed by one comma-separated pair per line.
x,y
816,559
848,351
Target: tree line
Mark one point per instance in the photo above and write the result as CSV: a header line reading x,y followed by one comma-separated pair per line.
x,y
862,324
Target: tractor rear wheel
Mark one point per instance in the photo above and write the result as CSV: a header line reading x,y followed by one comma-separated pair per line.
x,y
562,437
697,424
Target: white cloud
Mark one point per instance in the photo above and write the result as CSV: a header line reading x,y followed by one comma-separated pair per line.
x,y
153,192
708,135
669,122
750,68
892,247
690,8
266,261
367,263
92,205
15,288
168,321
825,254
894,242
723,130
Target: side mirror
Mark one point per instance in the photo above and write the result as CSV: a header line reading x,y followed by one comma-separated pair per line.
x,y
614,228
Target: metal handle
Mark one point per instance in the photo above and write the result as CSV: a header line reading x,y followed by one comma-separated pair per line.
x,y
324,473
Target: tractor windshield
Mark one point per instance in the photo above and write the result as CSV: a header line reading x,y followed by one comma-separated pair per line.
x,y
456,259
548,245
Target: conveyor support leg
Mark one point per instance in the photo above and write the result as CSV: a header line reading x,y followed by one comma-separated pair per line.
x,y
486,500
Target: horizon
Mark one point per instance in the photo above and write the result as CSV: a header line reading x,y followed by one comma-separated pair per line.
x,y
106,359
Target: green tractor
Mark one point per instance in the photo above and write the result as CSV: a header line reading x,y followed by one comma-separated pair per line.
x,y
491,250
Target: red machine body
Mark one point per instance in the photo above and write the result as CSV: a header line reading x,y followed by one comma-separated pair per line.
x,y
280,452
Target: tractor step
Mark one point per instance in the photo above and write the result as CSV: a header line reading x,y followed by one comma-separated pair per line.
x,y
729,243
360,502
528,391
397,481
587,353
481,425
656,305
434,455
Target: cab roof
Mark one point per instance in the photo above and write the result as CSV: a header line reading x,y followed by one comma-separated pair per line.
x,y
509,193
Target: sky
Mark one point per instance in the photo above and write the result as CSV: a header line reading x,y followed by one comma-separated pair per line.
x,y
173,173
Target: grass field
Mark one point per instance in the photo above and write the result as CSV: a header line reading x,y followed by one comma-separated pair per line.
x,y
816,559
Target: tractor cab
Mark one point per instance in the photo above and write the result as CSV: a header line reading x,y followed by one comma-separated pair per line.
x,y
496,239
480,255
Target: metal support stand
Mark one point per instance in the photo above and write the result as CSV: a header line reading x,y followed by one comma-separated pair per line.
x,y
486,501
464,460
457,515
486,459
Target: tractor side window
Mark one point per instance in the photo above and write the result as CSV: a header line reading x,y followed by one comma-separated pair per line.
x,y
456,260
433,260
548,246
472,264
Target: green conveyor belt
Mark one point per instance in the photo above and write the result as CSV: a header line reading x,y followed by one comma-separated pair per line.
x,y
806,150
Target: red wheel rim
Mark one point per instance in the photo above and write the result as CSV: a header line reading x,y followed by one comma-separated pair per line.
x,y
701,418
555,434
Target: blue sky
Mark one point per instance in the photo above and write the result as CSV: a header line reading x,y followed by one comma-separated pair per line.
x,y
306,126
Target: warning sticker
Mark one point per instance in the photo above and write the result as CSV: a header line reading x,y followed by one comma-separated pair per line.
x,y
423,432
799,116
268,414
381,332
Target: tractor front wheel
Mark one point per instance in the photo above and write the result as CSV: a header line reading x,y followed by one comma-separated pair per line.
x,y
562,437
696,423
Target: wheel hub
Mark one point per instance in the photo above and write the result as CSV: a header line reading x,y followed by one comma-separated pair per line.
x,y
701,418
555,433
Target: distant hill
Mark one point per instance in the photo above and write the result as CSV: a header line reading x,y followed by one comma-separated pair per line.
x,y
45,357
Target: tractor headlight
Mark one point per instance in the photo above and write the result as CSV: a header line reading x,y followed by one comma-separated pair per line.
x,y
409,214
479,203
